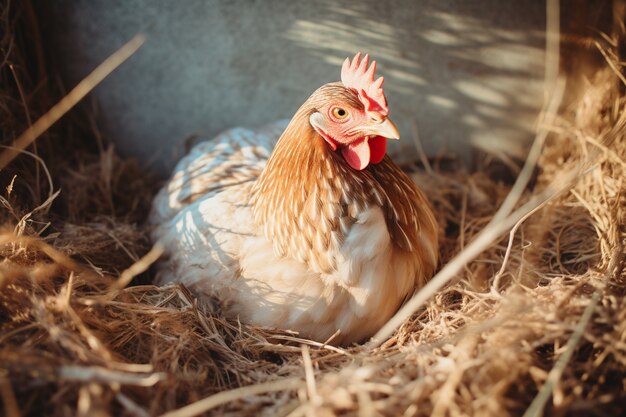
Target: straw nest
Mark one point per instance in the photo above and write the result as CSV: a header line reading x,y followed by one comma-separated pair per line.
x,y
537,317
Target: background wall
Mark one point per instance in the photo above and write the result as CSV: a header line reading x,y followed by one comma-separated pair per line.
x,y
467,72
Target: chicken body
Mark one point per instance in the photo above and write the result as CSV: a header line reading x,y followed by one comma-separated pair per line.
x,y
296,238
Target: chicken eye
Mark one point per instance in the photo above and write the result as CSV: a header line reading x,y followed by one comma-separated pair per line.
x,y
339,113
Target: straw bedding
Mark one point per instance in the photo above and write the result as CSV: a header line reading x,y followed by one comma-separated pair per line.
x,y
540,312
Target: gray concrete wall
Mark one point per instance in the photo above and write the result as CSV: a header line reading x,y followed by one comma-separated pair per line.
x,y
468,72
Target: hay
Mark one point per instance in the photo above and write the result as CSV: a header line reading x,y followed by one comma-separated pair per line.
x,y
539,315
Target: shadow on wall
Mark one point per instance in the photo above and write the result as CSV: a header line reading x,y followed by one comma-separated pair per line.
x,y
465,72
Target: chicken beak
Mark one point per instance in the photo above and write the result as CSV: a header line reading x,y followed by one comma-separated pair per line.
x,y
386,129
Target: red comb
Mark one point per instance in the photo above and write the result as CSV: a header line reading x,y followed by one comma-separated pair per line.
x,y
358,76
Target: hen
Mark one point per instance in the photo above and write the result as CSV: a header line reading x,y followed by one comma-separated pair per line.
x,y
324,235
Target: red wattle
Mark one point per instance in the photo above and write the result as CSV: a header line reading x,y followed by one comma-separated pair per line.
x,y
362,152
378,149
357,154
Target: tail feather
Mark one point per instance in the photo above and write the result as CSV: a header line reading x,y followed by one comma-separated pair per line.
x,y
233,157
